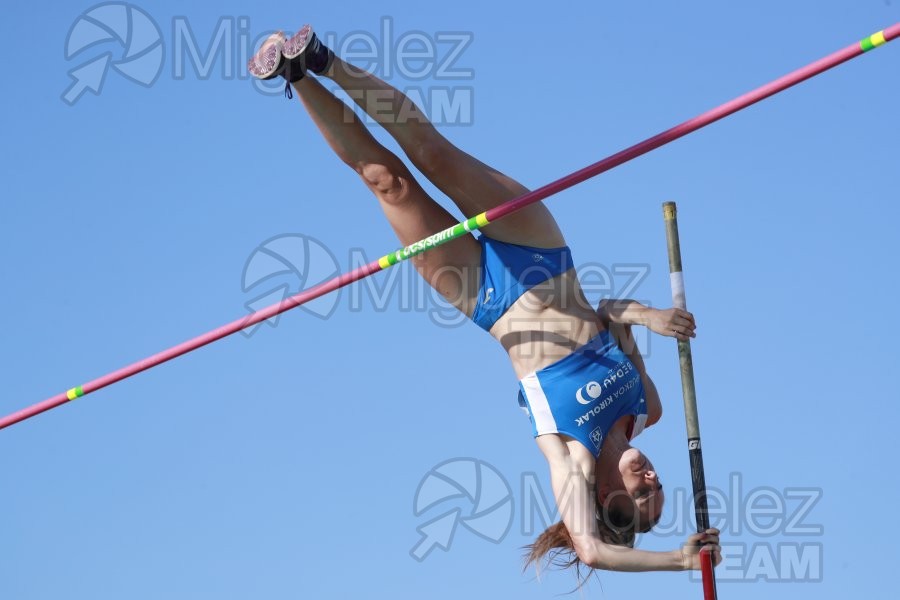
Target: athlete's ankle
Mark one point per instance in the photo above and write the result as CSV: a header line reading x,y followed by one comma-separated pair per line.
x,y
306,52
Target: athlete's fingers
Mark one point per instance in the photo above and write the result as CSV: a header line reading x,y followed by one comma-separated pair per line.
x,y
686,323
683,333
716,551
694,539
681,313
710,538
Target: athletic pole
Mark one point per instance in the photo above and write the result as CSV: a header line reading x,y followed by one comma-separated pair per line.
x,y
463,228
691,420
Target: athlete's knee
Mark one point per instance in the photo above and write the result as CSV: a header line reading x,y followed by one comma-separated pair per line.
x,y
384,179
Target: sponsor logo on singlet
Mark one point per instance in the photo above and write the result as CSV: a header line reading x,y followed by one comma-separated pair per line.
x,y
599,396
597,437
593,391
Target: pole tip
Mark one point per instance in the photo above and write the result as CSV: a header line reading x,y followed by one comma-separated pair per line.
x,y
669,211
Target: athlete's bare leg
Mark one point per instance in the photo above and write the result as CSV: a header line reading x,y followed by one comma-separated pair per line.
x,y
452,269
471,184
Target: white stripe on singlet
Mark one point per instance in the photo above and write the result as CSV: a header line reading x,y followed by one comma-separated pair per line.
x,y
640,421
540,407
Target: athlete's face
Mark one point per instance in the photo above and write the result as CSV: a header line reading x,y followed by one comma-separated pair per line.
x,y
642,493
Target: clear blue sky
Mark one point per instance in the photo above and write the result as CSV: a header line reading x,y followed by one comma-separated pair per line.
x,y
286,464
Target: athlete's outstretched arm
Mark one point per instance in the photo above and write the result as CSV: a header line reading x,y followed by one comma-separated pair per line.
x,y
671,322
619,315
577,507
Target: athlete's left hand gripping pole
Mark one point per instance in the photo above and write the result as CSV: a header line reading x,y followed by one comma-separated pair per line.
x,y
701,509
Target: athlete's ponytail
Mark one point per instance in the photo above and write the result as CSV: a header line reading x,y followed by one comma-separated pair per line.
x,y
555,548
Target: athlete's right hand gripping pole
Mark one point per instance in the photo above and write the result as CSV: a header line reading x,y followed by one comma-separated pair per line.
x,y
701,510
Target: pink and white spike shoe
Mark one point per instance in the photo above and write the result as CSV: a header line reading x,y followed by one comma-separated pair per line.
x,y
269,61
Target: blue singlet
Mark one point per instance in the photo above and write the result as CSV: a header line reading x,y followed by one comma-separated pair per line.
x,y
585,393
510,270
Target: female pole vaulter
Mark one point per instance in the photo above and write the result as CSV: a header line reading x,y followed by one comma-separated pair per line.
x,y
582,380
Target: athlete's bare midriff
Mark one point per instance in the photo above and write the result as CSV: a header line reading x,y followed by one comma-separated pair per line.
x,y
547,323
